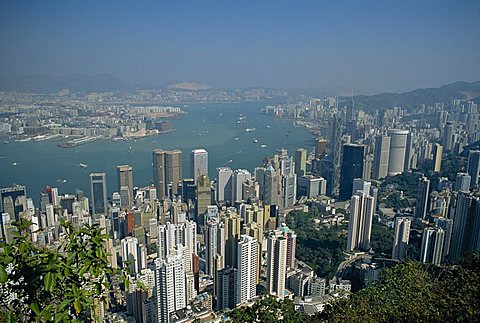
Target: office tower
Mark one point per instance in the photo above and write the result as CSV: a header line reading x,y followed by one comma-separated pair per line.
x,y
447,139
276,263
247,267
224,185
167,172
8,198
134,253
270,190
288,180
422,198
432,245
473,168
367,167
98,187
466,225
189,190
232,235
240,176
198,163
437,157
462,182
311,186
300,162
409,151
352,167
320,148
336,151
204,196
214,246
251,189
398,147
401,237
226,288
125,179
170,284
360,224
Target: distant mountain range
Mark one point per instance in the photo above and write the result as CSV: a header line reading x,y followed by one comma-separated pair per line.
x,y
54,83
429,96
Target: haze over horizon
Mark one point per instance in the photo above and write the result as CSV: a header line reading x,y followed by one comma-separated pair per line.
x,y
370,47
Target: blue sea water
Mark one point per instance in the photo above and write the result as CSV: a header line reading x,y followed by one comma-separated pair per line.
x,y
210,126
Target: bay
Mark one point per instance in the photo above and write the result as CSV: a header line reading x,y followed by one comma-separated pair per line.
x,y
212,126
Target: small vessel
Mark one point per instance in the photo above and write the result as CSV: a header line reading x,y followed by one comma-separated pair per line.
x,y
15,164
263,146
255,140
61,180
82,165
268,126
5,142
250,129
236,138
230,161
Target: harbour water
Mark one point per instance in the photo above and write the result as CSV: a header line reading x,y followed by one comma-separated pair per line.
x,y
210,126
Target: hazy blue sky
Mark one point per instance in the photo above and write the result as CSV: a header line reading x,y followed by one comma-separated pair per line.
x,y
370,46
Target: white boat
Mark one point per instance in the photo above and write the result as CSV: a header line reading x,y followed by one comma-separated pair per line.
x,y
263,146
250,129
82,165
255,140
15,164
230,161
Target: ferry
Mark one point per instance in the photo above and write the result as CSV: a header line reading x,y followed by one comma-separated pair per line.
x,y
82,165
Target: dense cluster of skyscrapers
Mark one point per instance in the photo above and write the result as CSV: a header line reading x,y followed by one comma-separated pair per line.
x,y
199,245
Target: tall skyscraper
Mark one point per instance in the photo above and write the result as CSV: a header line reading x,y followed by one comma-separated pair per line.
x,y
320,148
198,163
224,185
8,196
240,176
473,168
447,139
422,198
167,171
462,182
466,225
352,167
135,253
270,190
362,207
227,288
125,179
398,147
276,263
437,157
336,151
232,235
214,246
432,245
300,162
204,196
401,237
408,152
170,284
247,269
98,188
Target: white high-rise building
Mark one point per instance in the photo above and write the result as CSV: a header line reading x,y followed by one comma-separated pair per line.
x,y
224,185
398,147
240,177
134,252
198,163
214,246
170,283
362,208
247,269
401,237
382,153
432,245
276,263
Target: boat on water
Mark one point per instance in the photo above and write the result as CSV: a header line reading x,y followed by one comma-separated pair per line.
x,y
5,142
230,161
250,129
61,180
82,165
263,146
236,138
15,164
255,140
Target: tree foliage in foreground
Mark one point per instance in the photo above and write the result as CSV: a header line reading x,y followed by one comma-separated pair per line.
x,y
268,309
63,284
414,292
